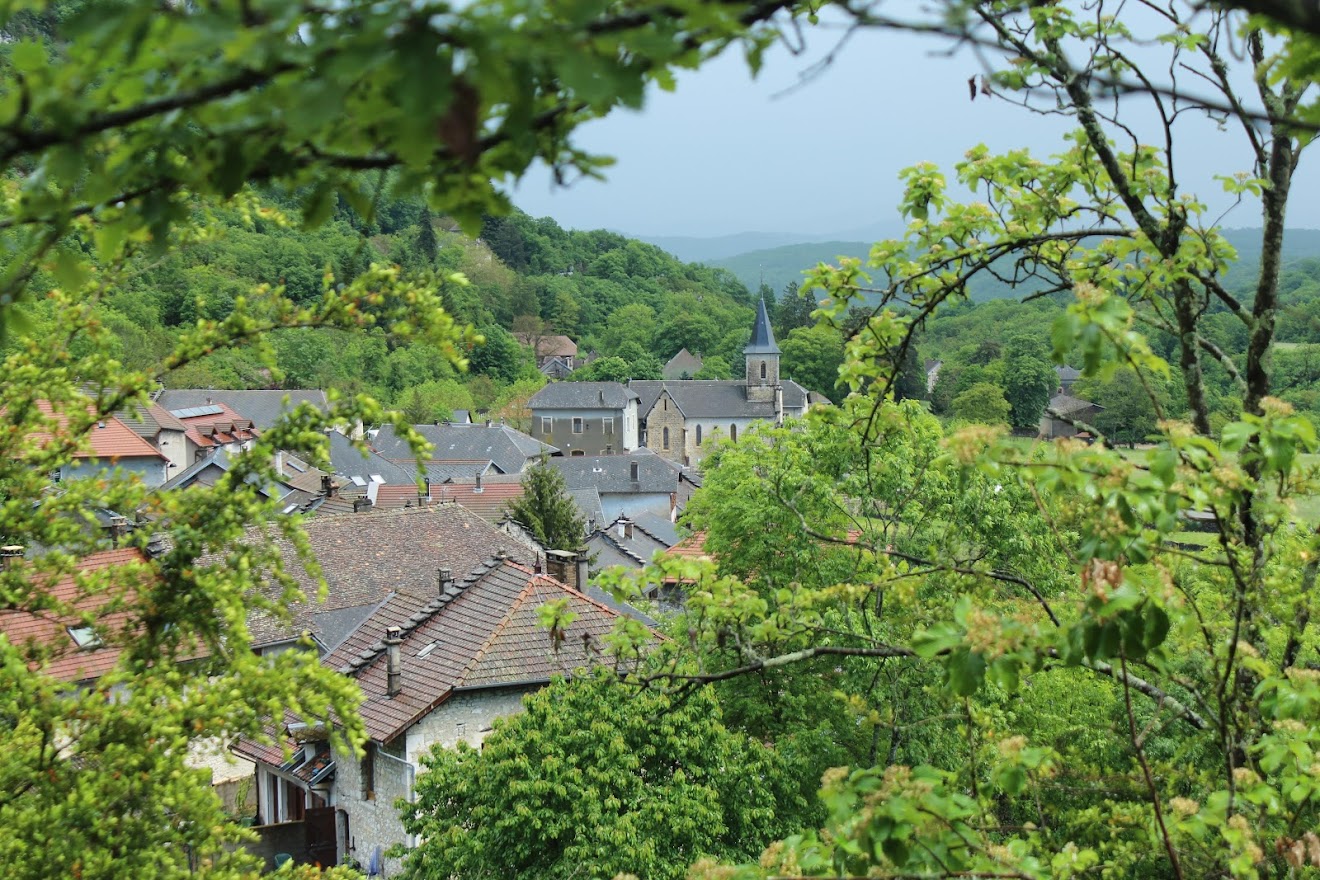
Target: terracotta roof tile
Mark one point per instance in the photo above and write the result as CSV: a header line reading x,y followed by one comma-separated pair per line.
x,y
68,661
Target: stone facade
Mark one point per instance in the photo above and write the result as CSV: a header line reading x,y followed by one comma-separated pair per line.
x,y
371,819
665,430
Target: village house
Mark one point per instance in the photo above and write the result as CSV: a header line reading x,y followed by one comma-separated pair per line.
x,y
1061,414
630,542
586,418
153,423
441,640
683,365
110,445
550,347
625,485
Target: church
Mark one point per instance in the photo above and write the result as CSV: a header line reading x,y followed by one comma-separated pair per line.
x,y
675,418
679,419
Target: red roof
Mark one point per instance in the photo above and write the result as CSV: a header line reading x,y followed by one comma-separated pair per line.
x,y
217,428
490,502
109,438
46,631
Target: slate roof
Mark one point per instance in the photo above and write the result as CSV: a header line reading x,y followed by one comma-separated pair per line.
x,y
587,500
1067,405
1068,375
208,470
763,335
556,368
715,398
683,363
349,461
367,557
483,632
612,548
68,662
612,474
147,421
511,450
263,407
582,395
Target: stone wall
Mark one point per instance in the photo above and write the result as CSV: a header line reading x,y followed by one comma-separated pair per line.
x,y
464,717
665,414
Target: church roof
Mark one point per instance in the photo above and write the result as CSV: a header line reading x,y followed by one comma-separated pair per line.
x,y
763,337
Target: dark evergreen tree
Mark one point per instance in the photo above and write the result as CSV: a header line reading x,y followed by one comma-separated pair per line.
x,y
792,311
546,510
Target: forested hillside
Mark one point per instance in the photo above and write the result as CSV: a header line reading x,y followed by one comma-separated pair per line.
x,y
609,293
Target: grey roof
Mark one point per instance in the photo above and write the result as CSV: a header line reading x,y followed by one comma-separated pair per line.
x,y
1068,374
658,527
208,470
467,470
582,395
587,500
511,450
349,461
685,362
1066,404
461,417
149,420
612,474
263,407
611,548
716,398
763,336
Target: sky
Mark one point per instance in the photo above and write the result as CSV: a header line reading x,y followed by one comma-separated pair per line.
x,y
725,153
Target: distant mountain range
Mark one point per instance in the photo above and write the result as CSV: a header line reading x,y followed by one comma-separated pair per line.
x,y
778,264
713,251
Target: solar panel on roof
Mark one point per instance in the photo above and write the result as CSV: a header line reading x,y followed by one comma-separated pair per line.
x,y
194,411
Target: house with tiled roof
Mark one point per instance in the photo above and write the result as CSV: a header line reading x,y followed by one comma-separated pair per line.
x,y
438,660
586,418
214,426
153,423
263,407
550,346
1064,413
627,485
108,445
630,543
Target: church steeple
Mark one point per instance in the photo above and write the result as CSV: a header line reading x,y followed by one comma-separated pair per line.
x,y
762,357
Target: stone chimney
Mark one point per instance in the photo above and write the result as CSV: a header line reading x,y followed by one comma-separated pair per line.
x,y
428,488
562,566
10,556
446,579
581,565
625,529
779,404
117,528
477,488
393,662
327,486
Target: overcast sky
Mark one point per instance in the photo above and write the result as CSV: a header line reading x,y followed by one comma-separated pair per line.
x,y
727,154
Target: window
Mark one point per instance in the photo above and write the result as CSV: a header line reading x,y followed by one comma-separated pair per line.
x,y
84,637
665,439
369,773
762,369
698,435
607,425
577,426
577,453
733,432
547,425
666,404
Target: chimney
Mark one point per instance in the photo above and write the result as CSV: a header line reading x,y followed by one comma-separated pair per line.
x,y
118,528
393,663
428,488
10,556
477,488
581,564
634,472
627,529
489,423
561,565
279,461
446,579
327,486
779,404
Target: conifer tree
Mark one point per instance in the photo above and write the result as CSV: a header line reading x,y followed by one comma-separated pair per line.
x,y
546,510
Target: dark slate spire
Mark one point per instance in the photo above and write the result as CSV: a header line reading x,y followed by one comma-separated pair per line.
x,y
763,338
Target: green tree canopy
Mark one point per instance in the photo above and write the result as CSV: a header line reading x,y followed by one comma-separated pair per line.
x,y
984,403
596,776
546,510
